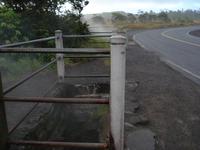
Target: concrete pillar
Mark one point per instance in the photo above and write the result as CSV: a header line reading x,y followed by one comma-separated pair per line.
x,y
60,57
117,86
3,121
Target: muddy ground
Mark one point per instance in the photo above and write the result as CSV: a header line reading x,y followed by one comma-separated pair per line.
x,y
169,102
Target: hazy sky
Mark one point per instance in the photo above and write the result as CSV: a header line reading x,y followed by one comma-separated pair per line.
x,y
98,6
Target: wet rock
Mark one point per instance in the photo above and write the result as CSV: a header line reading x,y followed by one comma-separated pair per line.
x,y
128,112
129,126
141,140
194,118
131,86
139,120
136,107
132,107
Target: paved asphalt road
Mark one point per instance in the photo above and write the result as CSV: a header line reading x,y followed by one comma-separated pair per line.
x,y
176,47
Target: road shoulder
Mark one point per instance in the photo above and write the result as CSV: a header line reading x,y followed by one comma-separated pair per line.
x,y
167,102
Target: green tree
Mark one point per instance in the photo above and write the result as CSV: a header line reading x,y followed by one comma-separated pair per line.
x,y
40,18
163,16
143,17
71,23
131,18
78,5
10,30
34,5
44,5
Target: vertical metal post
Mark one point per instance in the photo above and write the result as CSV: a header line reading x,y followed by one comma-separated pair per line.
x,y
117,86
60,57
3,121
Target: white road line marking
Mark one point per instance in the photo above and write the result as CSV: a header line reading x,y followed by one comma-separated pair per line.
x,y
179,40
170,62
181,68
134,38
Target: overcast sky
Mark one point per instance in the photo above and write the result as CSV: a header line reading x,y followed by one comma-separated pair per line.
x,y
98,6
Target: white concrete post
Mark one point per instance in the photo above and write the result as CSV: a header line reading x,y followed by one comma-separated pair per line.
x,y
117,88
60,57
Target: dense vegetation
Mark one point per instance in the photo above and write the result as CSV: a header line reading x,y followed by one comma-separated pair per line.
x,y
33,19
164,19
150,19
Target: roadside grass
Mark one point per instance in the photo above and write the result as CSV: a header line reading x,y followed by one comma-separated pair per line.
x,y
154,25
101,111
96,42
100,43
12,70
12,67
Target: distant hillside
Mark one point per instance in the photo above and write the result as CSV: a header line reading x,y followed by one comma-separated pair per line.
x,y
103,22
105,17
163,18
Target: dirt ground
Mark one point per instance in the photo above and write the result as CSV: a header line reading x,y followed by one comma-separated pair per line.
x,y
167,99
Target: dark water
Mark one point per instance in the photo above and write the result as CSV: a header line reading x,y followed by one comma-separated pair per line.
x,y
71,122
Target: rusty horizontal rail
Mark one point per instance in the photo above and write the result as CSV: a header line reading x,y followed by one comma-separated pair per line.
x,y
56,100
88,35
101,32
99,42
87,56
9,89
60,144
57,50
87,76
28,42
107,32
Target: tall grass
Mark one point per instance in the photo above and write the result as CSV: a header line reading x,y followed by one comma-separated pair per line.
x,y
12,69
155,25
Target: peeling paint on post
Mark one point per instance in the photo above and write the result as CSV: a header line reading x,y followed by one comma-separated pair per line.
x,y
3,121
60,57
117,103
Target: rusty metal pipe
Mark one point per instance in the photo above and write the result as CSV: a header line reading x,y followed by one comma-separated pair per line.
x,y
60,144
87,76
88,35
28,42
57,50
56,100
87,56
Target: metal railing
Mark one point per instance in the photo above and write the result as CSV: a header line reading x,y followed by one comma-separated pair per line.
x,y
9,89
117,86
